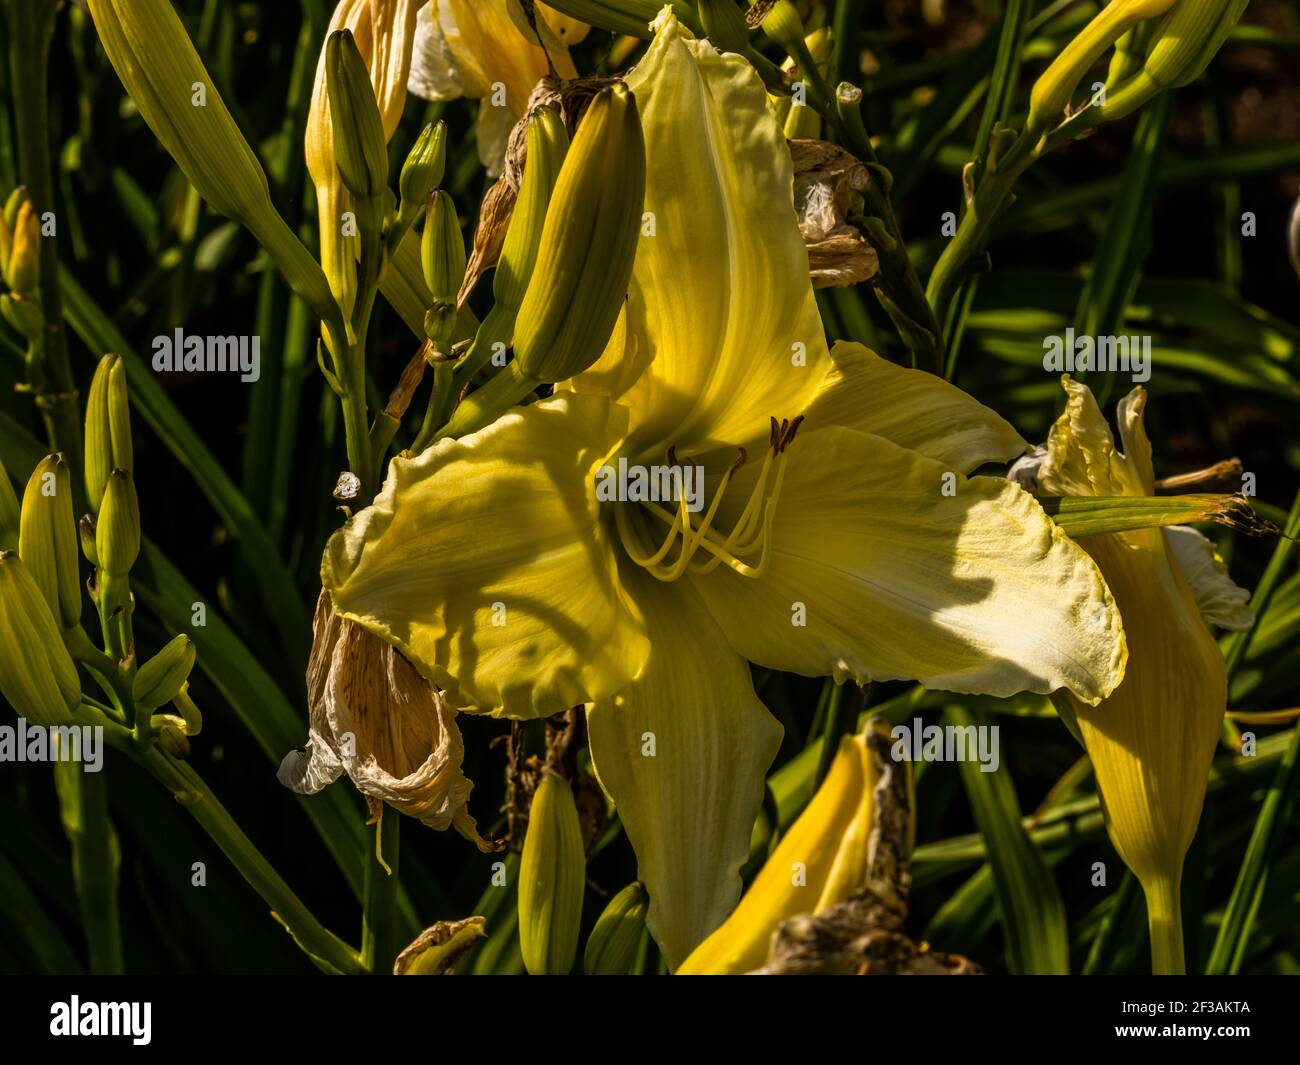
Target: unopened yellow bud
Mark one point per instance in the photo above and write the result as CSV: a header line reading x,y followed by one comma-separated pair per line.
x,y
780,21
613,944
23,267
160,679
108,427
552,876
442,248
548,142
360,148
117,529
588,243
47,538
37,675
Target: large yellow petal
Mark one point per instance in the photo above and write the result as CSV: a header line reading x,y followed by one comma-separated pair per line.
x,y
485,560
821,861
913,409
490,50
689,805
892,578
721,303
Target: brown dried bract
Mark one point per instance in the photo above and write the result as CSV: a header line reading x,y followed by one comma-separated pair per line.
x,y
826,178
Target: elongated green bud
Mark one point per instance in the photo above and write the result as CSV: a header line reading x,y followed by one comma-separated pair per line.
x,y
360,148
158,65
442,248
37,675
548,143
9,513
25,315
424,167
6,243
613,944
724,24
23,269
552,875
117,529
1053,91
108,427
161,679
13,205
588,244
47,538
86,533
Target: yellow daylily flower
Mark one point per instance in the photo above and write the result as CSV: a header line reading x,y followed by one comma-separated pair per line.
x,y
821,861
484,50
1151,742
384,31
858,548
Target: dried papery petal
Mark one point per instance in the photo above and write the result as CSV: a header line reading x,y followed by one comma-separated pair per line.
x,y
439,948
825,180
373,716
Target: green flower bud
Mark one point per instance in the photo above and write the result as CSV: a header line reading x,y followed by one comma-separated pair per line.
x,y
161,679
13,205
117,529
23,267
614,942
9,514
86,531
108,427
442,249
588,243
552,876
360,147
6,242
548,143
25,315
47,539
424,167
37,675
724,24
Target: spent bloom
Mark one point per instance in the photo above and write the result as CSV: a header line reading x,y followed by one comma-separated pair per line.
x,y
841,534
1152,740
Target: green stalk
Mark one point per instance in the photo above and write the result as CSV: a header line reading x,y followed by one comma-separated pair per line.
x,y
1165,922
31,26
83,798
379,944
325,949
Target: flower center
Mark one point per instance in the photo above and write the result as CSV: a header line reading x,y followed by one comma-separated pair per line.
x,y
745,549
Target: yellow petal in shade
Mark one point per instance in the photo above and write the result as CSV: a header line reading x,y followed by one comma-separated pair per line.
x,y
821,861
484,559
683,752
720,302
888,565
912,409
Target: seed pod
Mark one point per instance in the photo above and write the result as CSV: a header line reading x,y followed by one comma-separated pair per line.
x,y
548,143
117,529
161,679
47,538
588,243
551,880
108,427
360,147
724,24
613,944
9,514
424,167
442,248
23,268
37,675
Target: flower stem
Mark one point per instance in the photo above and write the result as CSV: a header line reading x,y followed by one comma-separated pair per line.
x,y
1165,923
379,908
83,797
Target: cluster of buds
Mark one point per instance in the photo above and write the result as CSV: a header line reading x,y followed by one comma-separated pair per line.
x,y
20,266
1158,45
